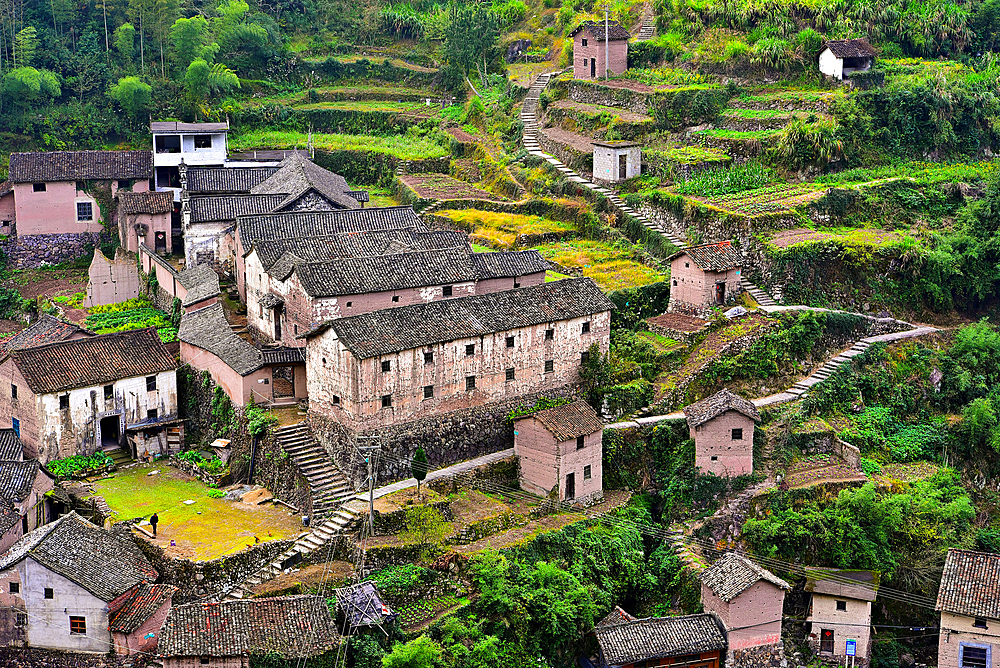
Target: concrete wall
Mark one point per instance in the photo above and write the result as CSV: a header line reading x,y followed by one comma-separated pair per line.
x,y
692,290
216,155
359,385
136,642
753,617
582,55
854,623
49,432
606,163
48,619
714,439
958,630
831,65
111,281
545,462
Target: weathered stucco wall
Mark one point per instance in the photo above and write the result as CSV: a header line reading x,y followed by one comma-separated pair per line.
x,y
854,623
582,55
545,463
715,450
693,290
112,281
958,630
753,617
48,619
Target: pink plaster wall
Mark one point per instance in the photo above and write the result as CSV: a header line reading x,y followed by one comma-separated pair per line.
x,y
53,211
582,55
753,618
694,287
7,209
546,462
240,389
136,642
715,439
33,507
958,629
130,239
25,408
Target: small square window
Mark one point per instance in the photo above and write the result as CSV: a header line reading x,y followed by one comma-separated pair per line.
x,y
470,349
20,619
15,587
687,265
63,401
584,41
296,328
510,341
974,657
446,291
84,211
334,399
38,187
579,442
428,391
386,401
386,365
675,282
550,334
586,472
150,383
510,375
586,328
350,304
428,358
48,593
124,184
109,391
517,283
204,661
470,383
841,605
395,299
151,414
203,141
715,458
79,185
77,625
584,357
737,434
13,391
980,623
550,366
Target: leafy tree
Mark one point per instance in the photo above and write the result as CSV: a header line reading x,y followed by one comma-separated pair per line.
x,y
418,467
471,37
420,652
425,526
133,95
188,37
124,42
202,80
25,45
25,86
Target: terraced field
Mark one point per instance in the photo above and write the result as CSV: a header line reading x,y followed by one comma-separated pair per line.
x,y
770,199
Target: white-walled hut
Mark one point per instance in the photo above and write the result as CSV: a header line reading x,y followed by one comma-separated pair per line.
x,y
617,160
842,57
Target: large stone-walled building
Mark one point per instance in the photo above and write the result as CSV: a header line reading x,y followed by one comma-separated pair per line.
x,y
722,427
704,277
588,50
969,603
400,364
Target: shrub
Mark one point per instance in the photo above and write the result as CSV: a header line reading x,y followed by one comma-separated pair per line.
x,y
81,465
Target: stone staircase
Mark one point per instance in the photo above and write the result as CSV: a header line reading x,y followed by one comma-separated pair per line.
x,y
646,31
677,537
327,485
529,112
758,295
802,387
120,457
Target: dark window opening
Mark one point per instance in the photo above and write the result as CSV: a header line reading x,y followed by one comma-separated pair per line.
x,y
150,383
446,291
13,391
168,144
517,283
84,211
109,391
77,625
428,391
584,357
168,177
203,141
395,299
151,414
386,365
550,334
429,358
470,349
550,366
125,184
737,434
470,383
579,442
15,587
583,42
687,265
350,304
974,657
586,328
510,375
586,472
715,458
335,399
510,341
79,185
48,593
675,282
204,661
980,623
841,605
386,400
38,187
63,401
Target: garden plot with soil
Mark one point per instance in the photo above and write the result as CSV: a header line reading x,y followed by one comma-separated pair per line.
x,y
775,198
867,236
206,529
441,186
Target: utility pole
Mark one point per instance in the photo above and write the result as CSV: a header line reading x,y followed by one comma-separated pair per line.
x,y
370,453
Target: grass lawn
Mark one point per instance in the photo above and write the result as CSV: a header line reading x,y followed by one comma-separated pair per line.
x,y
205,529
500,230
376,105
610,267
404,148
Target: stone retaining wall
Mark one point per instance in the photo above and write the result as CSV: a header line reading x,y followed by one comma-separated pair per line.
x,y
763,656
573,158
39,250
623,98
18,657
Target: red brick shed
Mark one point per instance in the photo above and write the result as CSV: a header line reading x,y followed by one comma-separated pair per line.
x,y
561,448
704,277
588,49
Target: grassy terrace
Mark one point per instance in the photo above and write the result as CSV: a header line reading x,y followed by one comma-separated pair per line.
x,y
404,148
687,155
610,265
375,106
736,135
500,230
350,92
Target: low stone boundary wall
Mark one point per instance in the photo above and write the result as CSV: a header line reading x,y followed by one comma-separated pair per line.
x,y
38,250
24,657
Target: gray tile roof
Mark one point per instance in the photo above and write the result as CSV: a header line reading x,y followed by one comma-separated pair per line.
x,y
93,361
149,201
407,327
861,585
851,48
702,411
293,626
104,563
297,175
570,420
80,166
17,477
732,574
362,605
719,256
11,449
269,300
509,264
230,180
356,244
208,329
659,637
177,126
46,329
9,516
216,208
284,355
146,600
305,224
596,29
616,616
201,283
970,584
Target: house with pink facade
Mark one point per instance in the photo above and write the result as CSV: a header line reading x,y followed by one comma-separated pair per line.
x,y
64,584
58,195
589,41
145,218
559,450
840,612
722,427
749,600
224,635
135,626
400,364
196,287
23,504
704,277
969,603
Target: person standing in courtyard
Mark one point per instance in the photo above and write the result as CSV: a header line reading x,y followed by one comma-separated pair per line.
x,y
154,520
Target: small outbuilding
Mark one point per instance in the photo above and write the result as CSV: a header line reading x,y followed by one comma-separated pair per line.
x,y
842,57
840,612
722,428
560,450
616,160
588,49
748,599
145,218
704,277
692,641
